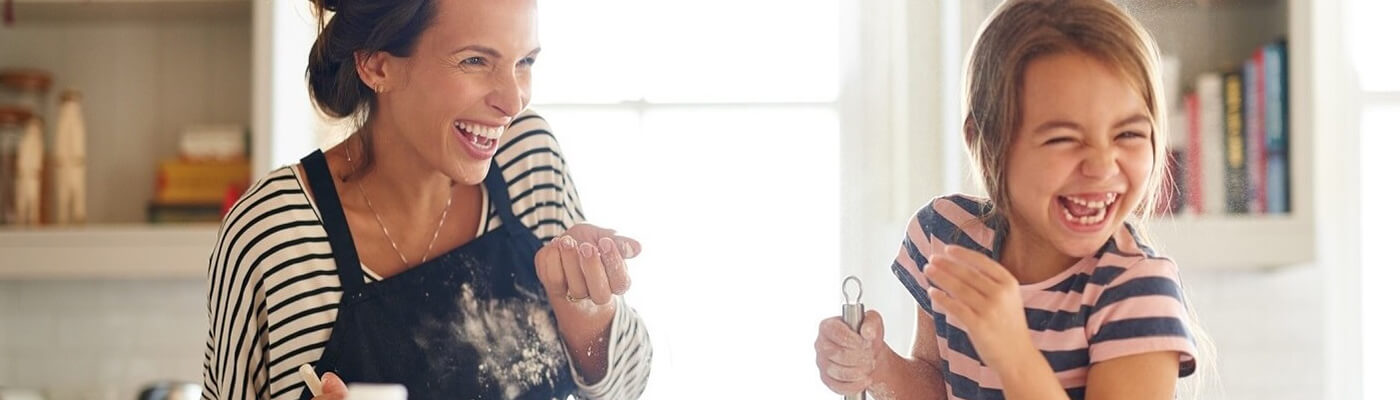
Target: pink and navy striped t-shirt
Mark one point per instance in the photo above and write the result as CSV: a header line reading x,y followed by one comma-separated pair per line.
x,y
1123,300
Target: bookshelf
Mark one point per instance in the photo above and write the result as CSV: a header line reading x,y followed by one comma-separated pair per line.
x,y
147,69
68,11
1219,35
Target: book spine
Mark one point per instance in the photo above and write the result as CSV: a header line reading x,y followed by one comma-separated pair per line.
x,y
1236,178
1258,148
1276,70
1210,92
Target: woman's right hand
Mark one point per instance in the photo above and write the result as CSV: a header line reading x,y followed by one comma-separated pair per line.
x,y
847,360
332,388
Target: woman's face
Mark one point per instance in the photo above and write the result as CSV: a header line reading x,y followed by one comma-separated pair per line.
x,y
467,77
1082,153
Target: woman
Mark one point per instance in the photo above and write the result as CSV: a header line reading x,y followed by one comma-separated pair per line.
x,y
440,245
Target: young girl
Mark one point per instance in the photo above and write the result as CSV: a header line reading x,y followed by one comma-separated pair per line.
x,y
1044,290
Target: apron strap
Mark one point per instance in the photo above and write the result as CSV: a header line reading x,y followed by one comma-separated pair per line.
x,y
497,190
347,261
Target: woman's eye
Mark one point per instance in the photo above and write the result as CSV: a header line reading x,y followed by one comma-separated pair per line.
x,y
474,61
1059,140
527,61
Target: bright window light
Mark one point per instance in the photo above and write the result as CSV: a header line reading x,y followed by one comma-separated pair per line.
x,y
1378,300
716,145
1372,40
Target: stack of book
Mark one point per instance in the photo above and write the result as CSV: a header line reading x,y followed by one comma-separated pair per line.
x,y
1234,156
195,187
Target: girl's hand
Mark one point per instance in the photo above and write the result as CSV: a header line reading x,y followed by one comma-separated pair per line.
x,y
586,263
847,360
981,294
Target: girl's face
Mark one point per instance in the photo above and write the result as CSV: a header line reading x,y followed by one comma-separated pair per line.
x,y
1081,157
469,75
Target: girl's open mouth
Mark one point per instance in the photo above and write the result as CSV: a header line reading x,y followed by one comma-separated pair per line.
x,y
1087,212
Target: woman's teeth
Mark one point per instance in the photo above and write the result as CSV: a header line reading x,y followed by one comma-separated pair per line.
x,y
484,132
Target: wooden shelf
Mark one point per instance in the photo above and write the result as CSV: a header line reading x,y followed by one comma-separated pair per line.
x,y
101,252
27,11
1235,242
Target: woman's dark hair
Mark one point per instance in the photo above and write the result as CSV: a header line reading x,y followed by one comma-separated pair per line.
x,y
359,27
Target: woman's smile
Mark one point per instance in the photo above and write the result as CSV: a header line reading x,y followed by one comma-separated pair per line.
x,y
479,141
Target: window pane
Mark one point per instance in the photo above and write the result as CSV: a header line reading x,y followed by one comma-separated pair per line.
x,y
1378,236
737,209
1372,40
588,52
680,51
600,145
741,50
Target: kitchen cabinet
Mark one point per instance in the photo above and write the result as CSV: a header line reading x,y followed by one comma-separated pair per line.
x,y
147,69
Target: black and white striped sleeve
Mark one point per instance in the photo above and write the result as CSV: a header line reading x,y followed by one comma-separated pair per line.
x,y
544,197
261,228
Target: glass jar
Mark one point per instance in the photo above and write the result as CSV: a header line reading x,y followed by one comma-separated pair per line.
x,y
12,123
26,88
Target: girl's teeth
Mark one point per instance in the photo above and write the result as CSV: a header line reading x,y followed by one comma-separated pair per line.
x,y
1099,214
1093,204
1088,219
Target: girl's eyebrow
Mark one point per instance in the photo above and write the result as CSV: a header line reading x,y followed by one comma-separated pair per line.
x,y
1135,119
1064,124
1057,124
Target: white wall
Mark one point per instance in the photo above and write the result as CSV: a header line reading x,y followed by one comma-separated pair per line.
x,y
100,339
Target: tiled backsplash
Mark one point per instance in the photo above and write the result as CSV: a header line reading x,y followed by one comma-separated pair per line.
x,y
104,340
100,339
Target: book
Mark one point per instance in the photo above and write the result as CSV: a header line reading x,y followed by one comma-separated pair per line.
x,y
1276,125
180,181
1251,76
1258,152
1236,176
1190,173
1210,91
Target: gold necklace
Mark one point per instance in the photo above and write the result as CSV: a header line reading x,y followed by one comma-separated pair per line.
x,y
385,228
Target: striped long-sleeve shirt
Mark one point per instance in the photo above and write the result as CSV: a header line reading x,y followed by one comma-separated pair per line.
x,y
1123,300
273,289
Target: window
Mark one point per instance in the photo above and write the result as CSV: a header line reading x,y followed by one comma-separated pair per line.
x,y
1370,36
716,145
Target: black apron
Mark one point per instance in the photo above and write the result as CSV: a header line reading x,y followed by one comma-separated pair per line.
x,y
473,323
